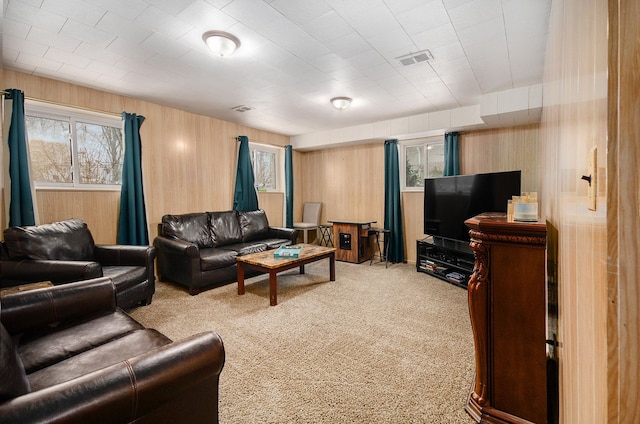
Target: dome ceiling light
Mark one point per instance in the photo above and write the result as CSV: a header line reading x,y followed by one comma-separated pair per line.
x,y
221,43
341,103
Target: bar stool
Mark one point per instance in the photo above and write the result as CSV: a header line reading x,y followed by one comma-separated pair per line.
x,y
326,235
382,254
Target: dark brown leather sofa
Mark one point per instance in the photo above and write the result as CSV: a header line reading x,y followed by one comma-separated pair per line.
x,y
69,355
199,250
64,251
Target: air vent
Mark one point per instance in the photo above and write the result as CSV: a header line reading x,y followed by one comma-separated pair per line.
x,y
411,58
242,108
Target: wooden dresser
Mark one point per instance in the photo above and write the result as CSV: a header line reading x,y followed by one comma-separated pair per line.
x,y
507,306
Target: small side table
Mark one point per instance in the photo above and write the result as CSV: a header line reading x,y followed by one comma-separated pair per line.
x,y
326,235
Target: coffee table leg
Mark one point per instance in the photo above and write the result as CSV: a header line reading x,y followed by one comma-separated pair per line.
x,y
273,288
301,269
332,267
240,278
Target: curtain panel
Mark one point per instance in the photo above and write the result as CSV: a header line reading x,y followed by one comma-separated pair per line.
x,y
451,154
132,221
245,197
288,176
392,201
19,189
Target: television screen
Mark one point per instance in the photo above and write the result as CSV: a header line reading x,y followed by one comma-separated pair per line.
x,y
449,201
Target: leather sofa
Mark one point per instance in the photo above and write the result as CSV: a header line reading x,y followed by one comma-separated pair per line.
x,y
63,252
199,250
69,355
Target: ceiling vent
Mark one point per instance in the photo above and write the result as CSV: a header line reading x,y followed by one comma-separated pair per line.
x,y
242,108
411,58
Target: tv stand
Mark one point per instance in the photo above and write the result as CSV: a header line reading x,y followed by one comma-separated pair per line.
x,y
447,259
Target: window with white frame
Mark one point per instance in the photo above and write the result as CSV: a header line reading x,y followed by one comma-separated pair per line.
x,y
73,148
421,159
265,161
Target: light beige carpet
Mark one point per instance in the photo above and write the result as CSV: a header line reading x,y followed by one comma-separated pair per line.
x,y
375,346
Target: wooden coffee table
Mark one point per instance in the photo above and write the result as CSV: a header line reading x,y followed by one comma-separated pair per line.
x,y
265,262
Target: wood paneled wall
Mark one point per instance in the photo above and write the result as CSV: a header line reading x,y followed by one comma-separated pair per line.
x,y
623,203
350,180
574,120
188,160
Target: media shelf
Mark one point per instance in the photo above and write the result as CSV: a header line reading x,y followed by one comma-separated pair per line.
x,y
447,259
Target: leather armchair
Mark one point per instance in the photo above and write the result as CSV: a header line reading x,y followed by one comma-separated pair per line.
x,y
64,252
70,355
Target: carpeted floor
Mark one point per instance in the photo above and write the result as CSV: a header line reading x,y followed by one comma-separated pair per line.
x,y
375,346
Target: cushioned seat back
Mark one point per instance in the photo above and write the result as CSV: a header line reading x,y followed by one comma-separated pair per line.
x,y
68,240
254,225
191,227
225,228
13,379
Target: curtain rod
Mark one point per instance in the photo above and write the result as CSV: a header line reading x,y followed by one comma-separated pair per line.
x,y
35,99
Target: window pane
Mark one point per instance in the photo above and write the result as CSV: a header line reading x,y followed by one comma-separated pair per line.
x,y
264,169
100,151
50,149
415,166
435,160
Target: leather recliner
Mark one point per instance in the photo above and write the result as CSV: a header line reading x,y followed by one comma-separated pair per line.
x,y
69,355
63,252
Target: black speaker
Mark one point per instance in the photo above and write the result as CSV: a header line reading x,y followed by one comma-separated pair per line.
x,y
345,241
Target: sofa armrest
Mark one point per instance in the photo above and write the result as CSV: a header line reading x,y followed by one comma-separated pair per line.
x,y
33,309
116,255
58,272
181,374
286,233
176,247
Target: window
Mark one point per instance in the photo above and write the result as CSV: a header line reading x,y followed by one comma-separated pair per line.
x,y
73,148
421,159
265,161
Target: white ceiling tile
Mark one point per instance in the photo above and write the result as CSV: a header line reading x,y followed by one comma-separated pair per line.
x,y
123,27
162,44
38,62
129,9
53,39
131,50
77,10
80,31
301,12
328,26
474,12
26,46
442,36
206,17
162,22
105,69
35,16
424,17
80,74
100,55
15,28
172,7
66,57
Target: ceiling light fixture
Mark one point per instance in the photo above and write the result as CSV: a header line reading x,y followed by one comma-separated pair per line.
x,y
341,103
221,43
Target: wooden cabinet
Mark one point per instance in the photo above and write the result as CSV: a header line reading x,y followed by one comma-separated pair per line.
x,y
352,240
507,306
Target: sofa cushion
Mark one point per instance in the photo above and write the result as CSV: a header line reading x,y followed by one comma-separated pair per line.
x,y
40,350
225,228
253,224
125,277
190,227
274,243
13,379
246,248
216,258
68,240
133,344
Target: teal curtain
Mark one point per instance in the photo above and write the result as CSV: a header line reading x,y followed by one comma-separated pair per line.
x,y
288,177
21,205
245,197
451,156
132,222
392,207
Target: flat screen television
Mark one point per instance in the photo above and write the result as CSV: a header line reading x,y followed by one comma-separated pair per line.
x,y
449,201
